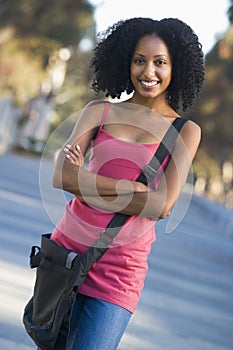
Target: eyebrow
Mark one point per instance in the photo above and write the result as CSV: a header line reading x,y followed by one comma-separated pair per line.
x,y
160,55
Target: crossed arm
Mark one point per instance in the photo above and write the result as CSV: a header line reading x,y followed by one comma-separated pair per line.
x,y
127,197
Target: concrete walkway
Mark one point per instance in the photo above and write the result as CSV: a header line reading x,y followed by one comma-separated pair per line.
x,y
187,302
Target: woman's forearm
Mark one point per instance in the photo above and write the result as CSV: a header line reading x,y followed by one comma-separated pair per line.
x,y
79,181
113,195
149,204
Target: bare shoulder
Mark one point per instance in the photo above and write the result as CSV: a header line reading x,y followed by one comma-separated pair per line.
x,y
191,130
92,112
87,121
95,106
95,103
189,139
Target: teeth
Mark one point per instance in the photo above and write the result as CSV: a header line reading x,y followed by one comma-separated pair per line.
x,y
149,83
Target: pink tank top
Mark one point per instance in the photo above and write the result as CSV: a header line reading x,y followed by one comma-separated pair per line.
x,y
118,277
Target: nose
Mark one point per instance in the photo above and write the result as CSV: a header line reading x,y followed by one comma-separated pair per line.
x,y
149,70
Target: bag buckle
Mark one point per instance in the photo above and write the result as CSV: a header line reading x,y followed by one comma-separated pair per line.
x,y
149,172
35,256
105,238
69,259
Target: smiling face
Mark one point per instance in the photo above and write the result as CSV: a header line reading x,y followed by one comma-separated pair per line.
x,y
151,69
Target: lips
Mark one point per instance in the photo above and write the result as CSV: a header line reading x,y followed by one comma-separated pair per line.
x,y
149,84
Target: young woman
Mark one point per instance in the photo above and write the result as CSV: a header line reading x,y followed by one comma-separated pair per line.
x,y
160,64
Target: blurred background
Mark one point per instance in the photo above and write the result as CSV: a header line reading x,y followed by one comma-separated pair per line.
x,y
45,48
45,76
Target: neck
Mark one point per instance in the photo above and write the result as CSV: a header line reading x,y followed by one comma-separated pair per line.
x,y
158,104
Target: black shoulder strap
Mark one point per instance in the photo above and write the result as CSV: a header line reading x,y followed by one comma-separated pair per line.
x,y
147,174
165,147
100,246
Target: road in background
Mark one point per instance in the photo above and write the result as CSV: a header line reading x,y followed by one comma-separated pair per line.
x,y
187,301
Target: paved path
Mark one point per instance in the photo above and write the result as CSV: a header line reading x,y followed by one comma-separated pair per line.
x,y
187,303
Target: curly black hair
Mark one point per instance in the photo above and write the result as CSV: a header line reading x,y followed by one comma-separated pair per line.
x,y
113,54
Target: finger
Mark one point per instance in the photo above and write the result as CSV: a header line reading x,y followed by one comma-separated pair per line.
x,y
79,152
69,158
73,158
78,148
74,150
74,154
71,151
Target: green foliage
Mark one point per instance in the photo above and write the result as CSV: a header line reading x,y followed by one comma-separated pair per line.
x,y
31,34
33,31
230,12
75,92
60,20
214,114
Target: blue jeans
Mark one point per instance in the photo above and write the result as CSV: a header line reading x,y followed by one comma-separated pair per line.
x,y
96,324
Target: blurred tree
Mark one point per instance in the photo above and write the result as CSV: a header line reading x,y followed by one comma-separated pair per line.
x,y
52,22
32,33
230,12
214,110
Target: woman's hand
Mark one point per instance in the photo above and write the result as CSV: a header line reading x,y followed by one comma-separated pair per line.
x,y
74,155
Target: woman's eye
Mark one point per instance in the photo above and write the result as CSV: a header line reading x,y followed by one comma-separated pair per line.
x,y
138,61
160,62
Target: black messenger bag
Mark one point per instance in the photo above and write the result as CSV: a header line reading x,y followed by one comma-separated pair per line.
x,y
60,272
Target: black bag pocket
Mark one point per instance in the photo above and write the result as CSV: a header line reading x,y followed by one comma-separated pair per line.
x,y
60,273
46,315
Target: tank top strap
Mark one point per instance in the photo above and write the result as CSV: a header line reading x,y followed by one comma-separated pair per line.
x,y
105,112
